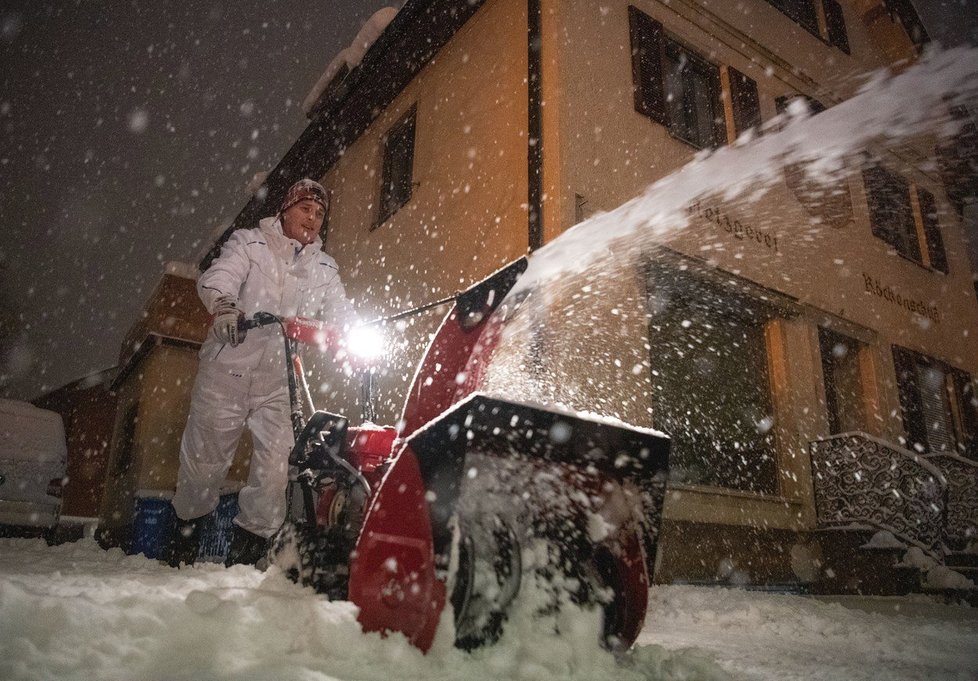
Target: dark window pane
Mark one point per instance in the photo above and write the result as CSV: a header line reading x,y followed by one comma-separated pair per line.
x,y
836,24
940,412
958,161
397,177
324,230
967,404
746,103
890,214
935,406
692,97
914,425
932,231
843,384
801,11
710,381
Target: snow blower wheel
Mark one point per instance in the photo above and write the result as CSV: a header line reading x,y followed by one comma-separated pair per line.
x,y
313,556
486,582
510,511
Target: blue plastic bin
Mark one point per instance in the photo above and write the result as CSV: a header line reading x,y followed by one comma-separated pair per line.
x,y
215,535
151,521
153,517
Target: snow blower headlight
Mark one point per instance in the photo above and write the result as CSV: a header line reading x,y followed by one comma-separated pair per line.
x,y
365,343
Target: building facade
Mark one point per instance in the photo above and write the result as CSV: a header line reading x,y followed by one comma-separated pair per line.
x,y
812,352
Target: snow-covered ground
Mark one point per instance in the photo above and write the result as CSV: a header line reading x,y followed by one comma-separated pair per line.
x,y
77,612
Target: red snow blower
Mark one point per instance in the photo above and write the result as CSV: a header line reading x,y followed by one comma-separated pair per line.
x,y
472,499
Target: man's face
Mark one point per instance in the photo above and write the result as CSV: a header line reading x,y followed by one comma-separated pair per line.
x,y
303,221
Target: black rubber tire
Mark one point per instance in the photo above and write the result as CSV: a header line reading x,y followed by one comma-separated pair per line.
x,y
518,505
488,562
313,556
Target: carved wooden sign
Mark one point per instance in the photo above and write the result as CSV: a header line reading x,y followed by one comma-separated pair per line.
x,y
738,229
895,297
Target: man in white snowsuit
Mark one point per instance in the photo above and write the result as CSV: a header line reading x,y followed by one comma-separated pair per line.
x,y
278,267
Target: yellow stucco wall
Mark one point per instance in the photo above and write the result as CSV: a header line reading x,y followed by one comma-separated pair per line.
x,y
467,215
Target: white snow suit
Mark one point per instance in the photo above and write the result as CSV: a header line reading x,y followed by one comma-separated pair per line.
x,y
262,270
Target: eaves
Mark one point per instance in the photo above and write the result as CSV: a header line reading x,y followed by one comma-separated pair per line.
x,y
419,30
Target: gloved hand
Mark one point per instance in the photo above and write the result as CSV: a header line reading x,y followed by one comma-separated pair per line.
x,y
226,316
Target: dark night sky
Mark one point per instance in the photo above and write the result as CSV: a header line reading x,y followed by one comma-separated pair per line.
x,y
129,133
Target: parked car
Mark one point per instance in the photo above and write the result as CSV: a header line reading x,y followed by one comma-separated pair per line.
x,y
33,453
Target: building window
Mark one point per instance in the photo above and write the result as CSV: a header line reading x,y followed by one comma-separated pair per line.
x,y
844,396
692,87
710,381
932,231
938,403
835,25
398,172
127,441
744,101
914,234
805,14
904,12
679,89
802,12
957,157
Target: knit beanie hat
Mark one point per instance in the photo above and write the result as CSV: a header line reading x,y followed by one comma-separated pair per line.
x,y
305,189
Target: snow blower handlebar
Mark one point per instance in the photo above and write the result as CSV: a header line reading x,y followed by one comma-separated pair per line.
x,y
266,319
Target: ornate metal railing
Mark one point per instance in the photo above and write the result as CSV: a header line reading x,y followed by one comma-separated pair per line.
x,y
861,479
962,497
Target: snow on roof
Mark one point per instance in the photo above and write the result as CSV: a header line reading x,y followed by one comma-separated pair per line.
x,y
181,269
94,378
19,408
351,56
256,182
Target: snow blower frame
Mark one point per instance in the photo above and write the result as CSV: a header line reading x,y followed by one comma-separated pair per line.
x,y
474,498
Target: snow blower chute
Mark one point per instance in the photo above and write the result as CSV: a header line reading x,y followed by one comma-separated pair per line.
x,y
475,499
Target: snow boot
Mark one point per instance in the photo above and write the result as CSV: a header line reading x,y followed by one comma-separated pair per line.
x,y
247,548
183,542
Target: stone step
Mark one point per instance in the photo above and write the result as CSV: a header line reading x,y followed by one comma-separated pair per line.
x,y
963,560
967,571
954,596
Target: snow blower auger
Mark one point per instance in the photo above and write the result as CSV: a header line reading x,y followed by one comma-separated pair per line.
x,y
473,499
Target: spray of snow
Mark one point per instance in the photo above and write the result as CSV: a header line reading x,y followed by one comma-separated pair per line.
x,y
882,113
561,304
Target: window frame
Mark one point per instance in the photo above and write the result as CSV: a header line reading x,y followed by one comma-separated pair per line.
x,y
654,55
856,347
962,412
823,19
696,74
919,239
396,192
